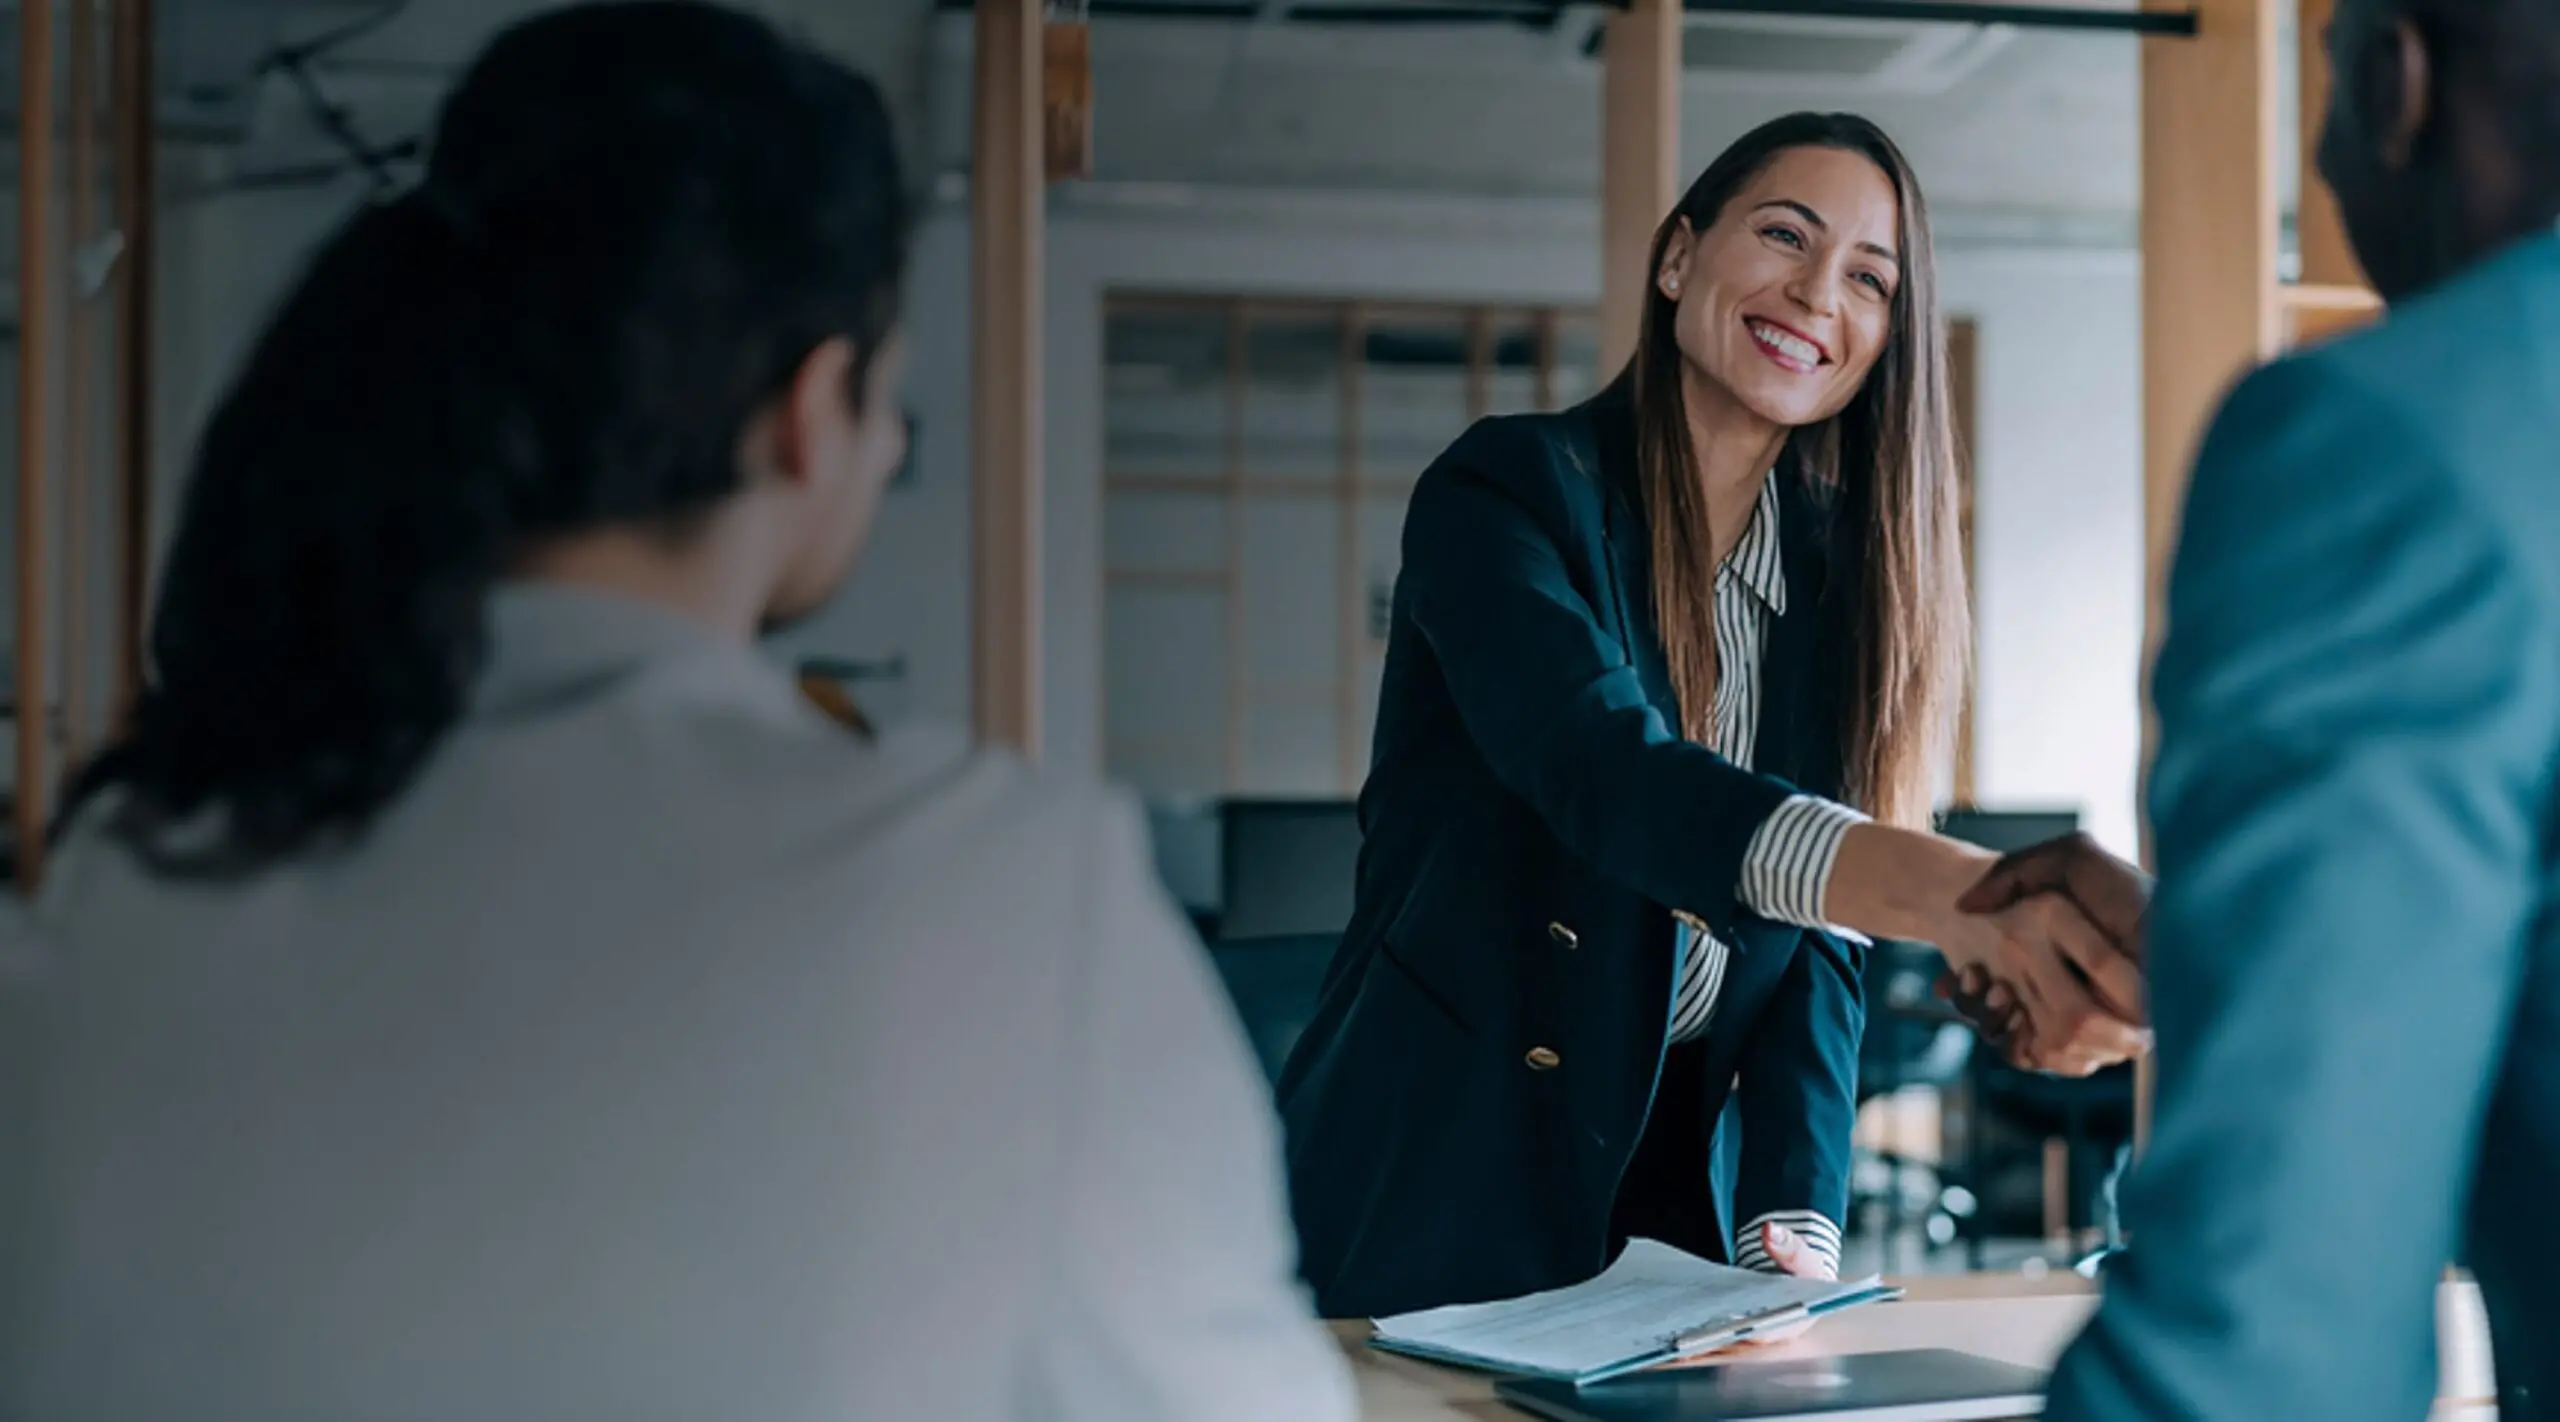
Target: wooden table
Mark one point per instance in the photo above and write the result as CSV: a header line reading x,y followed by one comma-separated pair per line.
x,y
2003,1316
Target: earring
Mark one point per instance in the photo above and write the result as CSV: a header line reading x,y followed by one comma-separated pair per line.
x,y
1672,287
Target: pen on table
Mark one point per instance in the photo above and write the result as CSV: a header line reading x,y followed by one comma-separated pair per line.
x,y
1723,1333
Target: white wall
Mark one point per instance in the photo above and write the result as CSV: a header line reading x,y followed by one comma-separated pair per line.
x,y
2058,513
2057,528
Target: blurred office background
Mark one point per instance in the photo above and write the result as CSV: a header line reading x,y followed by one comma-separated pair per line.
x,y
1316,240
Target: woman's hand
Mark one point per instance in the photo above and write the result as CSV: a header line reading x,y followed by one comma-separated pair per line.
x,y
2077,995
1789,1253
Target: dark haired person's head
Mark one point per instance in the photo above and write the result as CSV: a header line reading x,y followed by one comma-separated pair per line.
x,y
1793,291
635,329
2442,138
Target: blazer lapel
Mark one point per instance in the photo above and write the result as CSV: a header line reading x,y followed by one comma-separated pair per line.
x,y
1793,741
1630,570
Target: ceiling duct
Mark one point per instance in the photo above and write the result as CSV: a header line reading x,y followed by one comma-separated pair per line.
x,y
1566,14
1801,55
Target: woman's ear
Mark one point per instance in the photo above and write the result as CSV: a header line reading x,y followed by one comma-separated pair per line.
x,y
1676,255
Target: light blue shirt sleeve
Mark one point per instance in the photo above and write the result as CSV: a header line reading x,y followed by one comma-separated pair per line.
x,y
2356,700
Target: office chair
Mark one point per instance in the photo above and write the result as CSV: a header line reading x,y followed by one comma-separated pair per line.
x,y
2083,1126
1273,983
2005,831
1911,1039
1184,835
1992,1088
1286,867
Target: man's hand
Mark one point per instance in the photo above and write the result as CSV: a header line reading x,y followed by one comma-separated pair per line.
x,y
1987,1006
2020,1015
2069,979
2079,985
2115,895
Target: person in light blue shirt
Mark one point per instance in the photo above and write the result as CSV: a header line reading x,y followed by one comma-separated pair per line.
x,y
2353,956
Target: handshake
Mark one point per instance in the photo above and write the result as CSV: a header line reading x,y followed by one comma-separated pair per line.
x,y
2044,957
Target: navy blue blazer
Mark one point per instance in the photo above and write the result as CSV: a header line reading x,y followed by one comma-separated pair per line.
x,y
1483,1104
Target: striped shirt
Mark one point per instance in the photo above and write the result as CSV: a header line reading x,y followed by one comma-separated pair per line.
x,y
1787,866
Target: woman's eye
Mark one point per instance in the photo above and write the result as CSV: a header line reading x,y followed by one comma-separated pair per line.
x,y
1871,279
1787,235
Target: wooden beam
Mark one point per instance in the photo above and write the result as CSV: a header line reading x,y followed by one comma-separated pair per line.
x,y
79,358
1067,99
2209,231
2315,313
2209,278
32,795
1007,221
137,214
1961,391
1639,162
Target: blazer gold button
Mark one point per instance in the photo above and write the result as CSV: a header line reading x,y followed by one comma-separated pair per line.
x,y
1564,935
1544,1059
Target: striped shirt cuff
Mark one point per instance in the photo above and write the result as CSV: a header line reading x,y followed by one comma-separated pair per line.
x,y
1820,1236
1787,866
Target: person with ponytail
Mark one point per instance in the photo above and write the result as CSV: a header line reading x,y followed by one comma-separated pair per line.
x,y
1669,682
478,985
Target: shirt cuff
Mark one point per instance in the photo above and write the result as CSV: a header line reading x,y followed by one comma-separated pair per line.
x,y
1787,867
1821,1239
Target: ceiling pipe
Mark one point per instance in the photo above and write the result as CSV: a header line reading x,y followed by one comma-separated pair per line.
x,y
1548,14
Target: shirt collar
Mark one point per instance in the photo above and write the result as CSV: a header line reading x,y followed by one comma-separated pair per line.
x,y
1758,560
549,643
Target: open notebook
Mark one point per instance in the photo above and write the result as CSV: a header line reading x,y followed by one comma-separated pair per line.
x,y
1655,1305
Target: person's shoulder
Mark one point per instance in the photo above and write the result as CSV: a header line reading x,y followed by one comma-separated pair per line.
x,y
2448,405
2323,404
1549,444
2499,309
959,814
1550,463
2460,371
1530,437
932,772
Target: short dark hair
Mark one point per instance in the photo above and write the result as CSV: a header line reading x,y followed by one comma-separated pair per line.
x,y
637,222
2505,53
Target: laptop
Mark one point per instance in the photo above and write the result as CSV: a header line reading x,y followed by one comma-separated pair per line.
x,y
1925,1385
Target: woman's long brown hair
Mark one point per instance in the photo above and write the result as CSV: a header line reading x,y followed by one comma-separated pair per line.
x,y
1888,460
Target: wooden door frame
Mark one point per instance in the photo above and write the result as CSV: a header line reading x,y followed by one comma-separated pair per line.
x,y
1964,343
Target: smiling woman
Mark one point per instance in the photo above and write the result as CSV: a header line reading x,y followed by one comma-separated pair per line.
x,y
1779,286
1603,975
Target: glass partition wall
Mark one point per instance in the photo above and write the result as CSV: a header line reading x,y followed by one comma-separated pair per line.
x,y
1256,462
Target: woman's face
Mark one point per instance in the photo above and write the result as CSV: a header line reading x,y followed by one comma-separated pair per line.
x,y
1787,300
